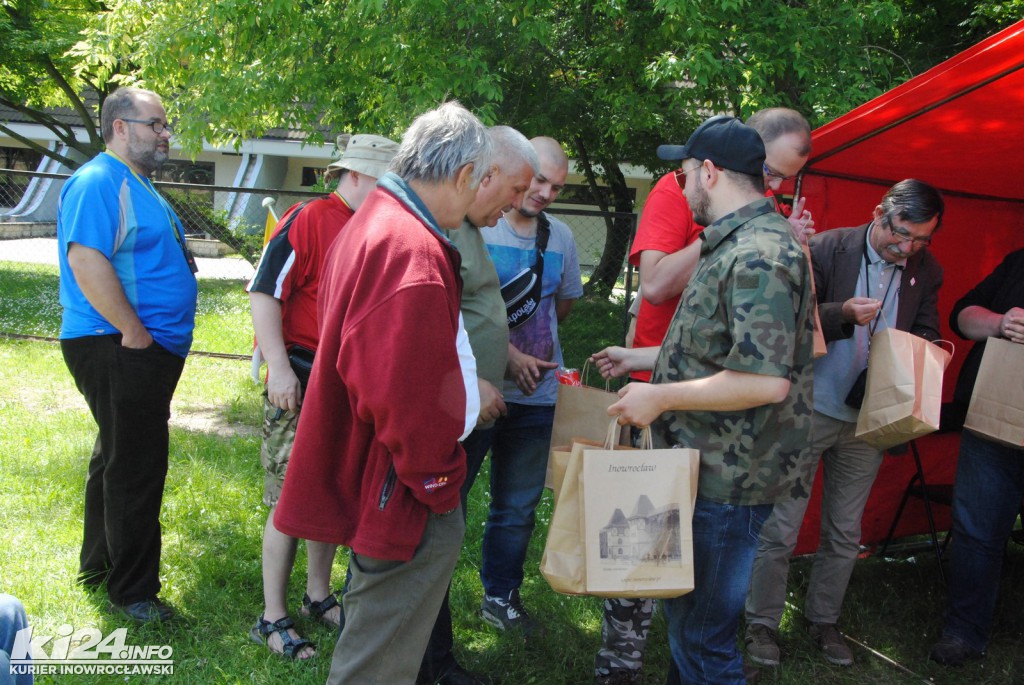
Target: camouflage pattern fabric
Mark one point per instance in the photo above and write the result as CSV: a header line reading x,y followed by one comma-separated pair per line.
x,y
747,309
278,437
624,629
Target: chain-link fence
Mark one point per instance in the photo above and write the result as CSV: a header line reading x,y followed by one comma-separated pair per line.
x,y
225,227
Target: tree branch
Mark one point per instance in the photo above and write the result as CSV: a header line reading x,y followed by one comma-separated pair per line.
x,y
63,132
906,64
88,123
42,149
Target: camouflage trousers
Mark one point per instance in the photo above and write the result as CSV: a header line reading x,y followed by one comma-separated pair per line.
x,y
624,629
278,437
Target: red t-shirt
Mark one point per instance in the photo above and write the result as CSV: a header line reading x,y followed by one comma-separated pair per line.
x,y
289,269
666,225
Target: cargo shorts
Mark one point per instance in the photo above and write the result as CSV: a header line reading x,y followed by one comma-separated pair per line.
x,y
276,449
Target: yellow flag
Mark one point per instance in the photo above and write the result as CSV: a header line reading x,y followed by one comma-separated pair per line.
x,y
271,221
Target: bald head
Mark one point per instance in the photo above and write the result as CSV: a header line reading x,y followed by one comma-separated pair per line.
x,y
787,142
549,180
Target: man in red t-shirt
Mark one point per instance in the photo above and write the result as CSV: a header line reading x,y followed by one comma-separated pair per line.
x,y
283,297
666,251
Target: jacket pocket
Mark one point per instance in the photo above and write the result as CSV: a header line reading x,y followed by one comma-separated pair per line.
x,y
388,488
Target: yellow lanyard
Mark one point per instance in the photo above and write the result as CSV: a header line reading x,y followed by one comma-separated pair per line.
x,y
160,201
344,201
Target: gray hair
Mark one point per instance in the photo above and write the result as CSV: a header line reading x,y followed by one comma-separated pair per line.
x,y
511,146
118,105
442,141
914,201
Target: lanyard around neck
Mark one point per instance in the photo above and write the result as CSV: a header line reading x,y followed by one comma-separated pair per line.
x,y
343,200
896,268
147,184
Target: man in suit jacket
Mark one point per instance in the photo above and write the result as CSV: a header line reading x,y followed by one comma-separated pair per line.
x,y
867,278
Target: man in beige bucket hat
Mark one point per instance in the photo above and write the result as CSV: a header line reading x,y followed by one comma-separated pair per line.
x,y
283,298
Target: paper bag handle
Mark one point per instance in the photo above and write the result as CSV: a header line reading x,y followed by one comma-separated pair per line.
x,y
952,350
612,439
583,377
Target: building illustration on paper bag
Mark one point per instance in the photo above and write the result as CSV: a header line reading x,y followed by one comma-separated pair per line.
x,y
648,534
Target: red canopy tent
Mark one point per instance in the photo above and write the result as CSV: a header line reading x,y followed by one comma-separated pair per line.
x,y
960,127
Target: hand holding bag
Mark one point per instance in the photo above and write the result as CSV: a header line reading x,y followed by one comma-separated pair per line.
x,y
622,522
903,397
997,403
581,412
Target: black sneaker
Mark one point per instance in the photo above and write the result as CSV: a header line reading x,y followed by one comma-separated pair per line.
x,y
952,651
147,611
508,614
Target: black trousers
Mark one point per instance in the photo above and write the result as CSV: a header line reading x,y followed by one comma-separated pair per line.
x,y
129,394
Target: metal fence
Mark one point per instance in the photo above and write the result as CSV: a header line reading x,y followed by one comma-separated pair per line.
x,y
224,226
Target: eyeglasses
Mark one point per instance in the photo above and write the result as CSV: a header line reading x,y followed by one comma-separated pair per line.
x,y
772,173
681,173
157,126
903,235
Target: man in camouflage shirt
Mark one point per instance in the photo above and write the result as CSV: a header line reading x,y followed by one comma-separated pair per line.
x,y
733,380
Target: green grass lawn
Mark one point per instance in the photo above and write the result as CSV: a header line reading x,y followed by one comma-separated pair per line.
x,y
213,519
30,306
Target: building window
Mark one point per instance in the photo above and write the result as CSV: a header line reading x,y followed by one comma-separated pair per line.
x,y
310,176
184,171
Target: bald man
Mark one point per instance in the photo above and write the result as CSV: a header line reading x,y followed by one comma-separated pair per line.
x,y
527,246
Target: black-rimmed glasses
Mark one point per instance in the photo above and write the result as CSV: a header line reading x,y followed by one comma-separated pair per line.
x,y
157,126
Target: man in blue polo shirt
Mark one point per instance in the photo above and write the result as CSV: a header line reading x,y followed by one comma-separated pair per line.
x,y
129,298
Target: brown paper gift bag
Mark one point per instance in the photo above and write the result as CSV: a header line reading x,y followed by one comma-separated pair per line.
x,y
903,399
997,403
563,563
622,523
558,461
820,346
582,412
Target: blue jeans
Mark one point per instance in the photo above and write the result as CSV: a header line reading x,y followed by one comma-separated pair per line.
x,y
986,501
702,625
12,619
519,459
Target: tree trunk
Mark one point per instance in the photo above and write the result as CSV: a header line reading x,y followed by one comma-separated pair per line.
x,y
618,232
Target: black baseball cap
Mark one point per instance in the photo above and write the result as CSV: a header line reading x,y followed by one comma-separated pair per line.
x,y
726,141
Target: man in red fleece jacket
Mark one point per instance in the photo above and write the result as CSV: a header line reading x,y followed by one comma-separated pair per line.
x,y
377,463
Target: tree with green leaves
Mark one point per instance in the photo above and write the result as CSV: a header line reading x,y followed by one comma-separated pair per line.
x,y
611,79
39,72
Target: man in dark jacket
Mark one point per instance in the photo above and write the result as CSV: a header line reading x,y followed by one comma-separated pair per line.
x,y
867,278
